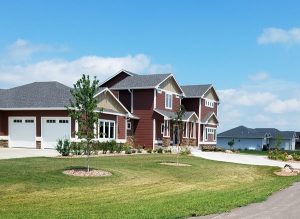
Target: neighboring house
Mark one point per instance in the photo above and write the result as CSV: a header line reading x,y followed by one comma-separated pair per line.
x,y
257,138
138,109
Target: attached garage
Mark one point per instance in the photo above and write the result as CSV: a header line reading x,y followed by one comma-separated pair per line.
x,y
53,129
22,132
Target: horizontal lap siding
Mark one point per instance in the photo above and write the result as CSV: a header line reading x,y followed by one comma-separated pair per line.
x,y
143,108
1,123
159,120
191,104
125,99
205,110
160,102
121,127
38,115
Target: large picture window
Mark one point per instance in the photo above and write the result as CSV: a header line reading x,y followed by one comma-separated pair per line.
x,y
168,101
106,129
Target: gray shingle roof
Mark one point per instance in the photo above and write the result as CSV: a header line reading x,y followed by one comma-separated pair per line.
x,y
140,81
172,115
244,132
36,95
195,90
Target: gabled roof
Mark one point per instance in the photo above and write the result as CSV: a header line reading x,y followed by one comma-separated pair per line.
x,y
119,72
208,116
244,132
172,115
36,95
141,81
195,90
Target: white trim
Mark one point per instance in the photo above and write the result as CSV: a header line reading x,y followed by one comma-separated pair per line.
x,y
211,86
162,128
209,103
154,134
163,90
171,75
76,129
167,128
23,117
122,70
158,141
128,123
131,101
115,129
4,137
121,140
154,98
167,100
56,118
40,108
208,142
213,114
186,130
199,120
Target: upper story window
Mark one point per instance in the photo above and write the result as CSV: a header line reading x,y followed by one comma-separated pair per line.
x,y
209,103
168,101
128,125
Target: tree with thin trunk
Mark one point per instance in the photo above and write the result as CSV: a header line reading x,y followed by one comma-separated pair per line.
x,y
82,109
231,143
180,112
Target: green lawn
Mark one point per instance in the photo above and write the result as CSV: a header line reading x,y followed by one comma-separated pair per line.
x,y
139,188
262,153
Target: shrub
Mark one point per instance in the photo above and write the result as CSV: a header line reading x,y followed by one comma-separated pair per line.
x,y
159,150
208,148
127,149
296,157
63,147
186,151
133,151
139,151
149,151
277,155
111,146
119,148
167,151
77,148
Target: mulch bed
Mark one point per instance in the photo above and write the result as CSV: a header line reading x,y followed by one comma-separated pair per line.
x,y
176,164
85,173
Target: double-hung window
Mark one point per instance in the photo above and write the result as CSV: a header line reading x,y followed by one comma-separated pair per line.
x,y
210,131
106,129
167,128
168,101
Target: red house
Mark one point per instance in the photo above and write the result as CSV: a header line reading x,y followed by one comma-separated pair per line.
x,y
138,109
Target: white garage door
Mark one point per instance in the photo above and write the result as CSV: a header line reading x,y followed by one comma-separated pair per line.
x,y
22,132
53,129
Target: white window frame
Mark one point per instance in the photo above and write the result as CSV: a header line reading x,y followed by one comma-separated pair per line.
x,y
186,130
166,128
162,128
104,134
168,100
193,130
210,131
209,103
129,126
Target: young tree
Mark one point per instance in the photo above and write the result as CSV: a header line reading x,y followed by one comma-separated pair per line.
x,y
180,112
82,109
231,143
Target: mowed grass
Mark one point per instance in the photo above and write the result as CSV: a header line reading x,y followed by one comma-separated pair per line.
x,y
139,188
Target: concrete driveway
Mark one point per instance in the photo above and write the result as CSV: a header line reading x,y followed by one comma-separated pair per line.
x,y
283,204
242,159
9,153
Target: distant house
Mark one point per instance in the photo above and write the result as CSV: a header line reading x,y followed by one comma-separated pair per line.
x,y
257,138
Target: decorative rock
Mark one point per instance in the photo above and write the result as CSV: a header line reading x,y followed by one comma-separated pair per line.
x,y
228,151
289,157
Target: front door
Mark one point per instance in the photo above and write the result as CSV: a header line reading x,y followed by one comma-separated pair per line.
x,y
175,135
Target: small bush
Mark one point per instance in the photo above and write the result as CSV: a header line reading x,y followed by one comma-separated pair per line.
x,y
159,150
277,155
149,151
296,157
167,151
185,151
63,147
127,149
119,148
133,151
77,148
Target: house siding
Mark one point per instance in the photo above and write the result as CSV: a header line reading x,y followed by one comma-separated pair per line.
x,y
205,110
191,104
143,108
125,99
121,127
115,80
243,143
160,102
38,115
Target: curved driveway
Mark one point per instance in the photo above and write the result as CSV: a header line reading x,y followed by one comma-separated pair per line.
x,y
242,159
10,153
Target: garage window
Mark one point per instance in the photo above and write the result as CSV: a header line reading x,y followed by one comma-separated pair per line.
x,y
51,121
17,120
29,121
106,129
63,121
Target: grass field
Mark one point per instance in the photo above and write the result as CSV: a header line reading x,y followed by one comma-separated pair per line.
x,y
139,188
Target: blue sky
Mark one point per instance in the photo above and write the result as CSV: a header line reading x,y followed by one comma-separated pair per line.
x,y
248,49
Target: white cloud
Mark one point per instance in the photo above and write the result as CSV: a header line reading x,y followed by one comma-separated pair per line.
x,y
21,67
284,106
277,35
245,98
260,76
21,50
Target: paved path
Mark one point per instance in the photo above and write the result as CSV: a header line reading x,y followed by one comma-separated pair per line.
x,y
9,153
282,205
242,159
